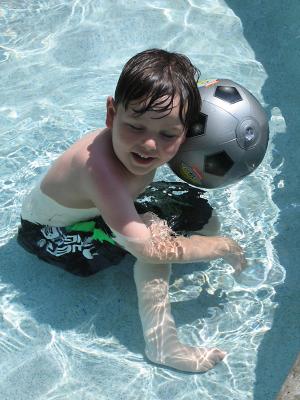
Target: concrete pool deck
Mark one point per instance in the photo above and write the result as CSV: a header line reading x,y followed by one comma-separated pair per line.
x,y
291,387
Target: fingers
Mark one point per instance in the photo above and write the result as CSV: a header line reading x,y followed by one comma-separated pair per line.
x,y
235,256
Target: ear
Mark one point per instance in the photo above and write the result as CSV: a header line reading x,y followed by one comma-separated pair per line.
x,y
110,112
183,138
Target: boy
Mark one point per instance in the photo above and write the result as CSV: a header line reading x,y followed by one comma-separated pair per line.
x,y
156,102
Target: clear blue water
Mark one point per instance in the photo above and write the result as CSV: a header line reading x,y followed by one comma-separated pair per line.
x,y
62,337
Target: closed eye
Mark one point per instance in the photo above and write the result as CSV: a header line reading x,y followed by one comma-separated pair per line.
x,y
167,135
135,128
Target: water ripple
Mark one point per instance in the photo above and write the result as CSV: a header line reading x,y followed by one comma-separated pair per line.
x,y
59,61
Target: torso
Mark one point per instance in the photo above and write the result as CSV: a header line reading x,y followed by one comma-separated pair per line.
x,y
64,180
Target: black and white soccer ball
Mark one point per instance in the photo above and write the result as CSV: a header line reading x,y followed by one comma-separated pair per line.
x,y
228,141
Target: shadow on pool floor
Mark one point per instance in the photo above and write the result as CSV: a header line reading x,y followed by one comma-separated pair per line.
x,y
272,29
106,300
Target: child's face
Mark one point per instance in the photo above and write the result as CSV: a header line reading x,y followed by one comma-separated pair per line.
x,y
143,142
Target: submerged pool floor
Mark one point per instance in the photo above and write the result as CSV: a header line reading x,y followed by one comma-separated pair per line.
x,y
64,337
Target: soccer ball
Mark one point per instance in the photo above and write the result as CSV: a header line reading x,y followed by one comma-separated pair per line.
x,y
228,141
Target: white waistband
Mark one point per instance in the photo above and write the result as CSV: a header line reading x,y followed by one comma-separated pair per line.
x,y
41,209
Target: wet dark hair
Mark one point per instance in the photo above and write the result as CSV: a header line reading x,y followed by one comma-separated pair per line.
x,y
154,73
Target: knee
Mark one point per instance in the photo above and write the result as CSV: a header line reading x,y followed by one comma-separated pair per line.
x,y
150,272
211,228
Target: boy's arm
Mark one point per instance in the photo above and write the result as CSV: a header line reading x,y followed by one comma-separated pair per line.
x,y
150,243
162,248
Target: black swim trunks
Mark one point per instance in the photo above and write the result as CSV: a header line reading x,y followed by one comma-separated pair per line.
x,y
87,247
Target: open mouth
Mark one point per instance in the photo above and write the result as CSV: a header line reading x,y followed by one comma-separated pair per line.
x,y
141,159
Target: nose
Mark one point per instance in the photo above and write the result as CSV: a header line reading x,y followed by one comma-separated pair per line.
x,y
150,144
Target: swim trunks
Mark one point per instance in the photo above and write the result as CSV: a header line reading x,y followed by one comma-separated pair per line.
x,y
86,247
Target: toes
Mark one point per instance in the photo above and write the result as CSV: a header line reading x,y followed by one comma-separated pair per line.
x,y
189,359
218,355
209,358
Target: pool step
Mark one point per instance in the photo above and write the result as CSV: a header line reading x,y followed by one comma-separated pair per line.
x,y
291,387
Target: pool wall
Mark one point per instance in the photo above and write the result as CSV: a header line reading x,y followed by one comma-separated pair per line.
x,y
273,31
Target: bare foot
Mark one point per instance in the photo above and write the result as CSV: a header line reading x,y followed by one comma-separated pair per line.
x,y
187,358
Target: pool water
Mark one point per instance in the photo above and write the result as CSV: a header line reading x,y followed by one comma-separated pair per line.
x,y
62,337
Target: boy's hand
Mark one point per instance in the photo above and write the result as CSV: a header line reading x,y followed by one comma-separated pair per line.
x,y
234,255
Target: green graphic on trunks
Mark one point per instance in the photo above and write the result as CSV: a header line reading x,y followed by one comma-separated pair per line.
x,y
89,226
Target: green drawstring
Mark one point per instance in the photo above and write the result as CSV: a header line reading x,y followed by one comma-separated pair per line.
x,y
89,226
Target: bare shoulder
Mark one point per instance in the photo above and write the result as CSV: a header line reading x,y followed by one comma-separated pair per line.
x,y
80,151
110,186
96,158
101,168
62,181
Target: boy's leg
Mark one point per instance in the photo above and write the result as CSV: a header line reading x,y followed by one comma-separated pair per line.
x,y
211,228
162,344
